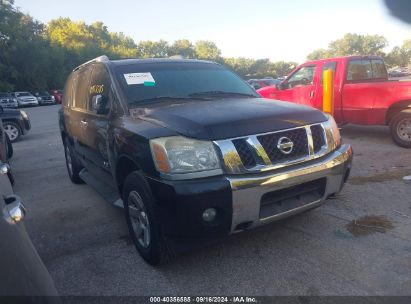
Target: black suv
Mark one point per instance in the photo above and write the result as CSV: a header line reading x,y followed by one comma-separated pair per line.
x,y
191,150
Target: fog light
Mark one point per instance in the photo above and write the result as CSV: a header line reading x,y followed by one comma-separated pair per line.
x,y
209,215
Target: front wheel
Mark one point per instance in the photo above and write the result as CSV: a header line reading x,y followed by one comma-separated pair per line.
x,y
400,127
142,220
12,129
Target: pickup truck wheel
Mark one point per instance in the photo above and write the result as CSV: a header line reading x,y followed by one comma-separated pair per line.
x,y
73,164
142,220
400,127
12,129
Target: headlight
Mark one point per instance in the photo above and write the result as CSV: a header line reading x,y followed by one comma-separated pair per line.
x,y
24,115
179,154
39,98
52,98
15,99
335,132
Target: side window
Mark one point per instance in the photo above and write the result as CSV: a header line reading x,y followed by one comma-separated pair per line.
x,y
81,88
358,70
328,66
379,71
99,85
68,91
303,77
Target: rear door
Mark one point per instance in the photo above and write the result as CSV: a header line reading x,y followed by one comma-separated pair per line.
x,y
364,91
78,110
300,86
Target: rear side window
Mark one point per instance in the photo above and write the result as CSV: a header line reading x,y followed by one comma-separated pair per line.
x,y
68,91
359,70
366,70
81,88
379,71
328,66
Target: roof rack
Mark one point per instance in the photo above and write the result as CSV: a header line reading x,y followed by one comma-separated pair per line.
x,y
102,58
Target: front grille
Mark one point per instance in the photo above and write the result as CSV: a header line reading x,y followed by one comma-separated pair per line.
x,y
245,153
274,150
317,132
297,136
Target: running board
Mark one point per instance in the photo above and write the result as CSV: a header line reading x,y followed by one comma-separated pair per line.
x,y
108,193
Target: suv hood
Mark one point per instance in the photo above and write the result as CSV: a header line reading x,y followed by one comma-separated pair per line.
x,y
228,118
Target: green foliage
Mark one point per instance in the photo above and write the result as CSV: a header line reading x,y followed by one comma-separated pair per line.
x,y
352,44
207,50
152,49
38,56
400,56
182,47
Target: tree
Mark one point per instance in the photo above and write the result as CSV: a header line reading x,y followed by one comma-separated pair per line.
x,y
400,56
239,65
152,49
352,44
182,47
207,50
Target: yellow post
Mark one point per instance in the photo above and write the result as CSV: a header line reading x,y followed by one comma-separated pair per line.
x,y
328,91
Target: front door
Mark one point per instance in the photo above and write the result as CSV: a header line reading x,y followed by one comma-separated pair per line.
x,y
97,123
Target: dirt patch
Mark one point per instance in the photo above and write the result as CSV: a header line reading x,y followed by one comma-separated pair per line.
x,y
379,177
368,225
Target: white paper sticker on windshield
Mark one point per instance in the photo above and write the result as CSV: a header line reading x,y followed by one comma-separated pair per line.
x,y
140,78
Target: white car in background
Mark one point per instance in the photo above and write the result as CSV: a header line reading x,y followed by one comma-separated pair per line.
x,y
8,101
25,99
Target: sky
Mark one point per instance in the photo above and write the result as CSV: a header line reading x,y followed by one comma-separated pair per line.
x,y
279,30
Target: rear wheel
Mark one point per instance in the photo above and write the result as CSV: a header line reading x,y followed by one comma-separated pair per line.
x,y
142,220
400,127
12,129
73,164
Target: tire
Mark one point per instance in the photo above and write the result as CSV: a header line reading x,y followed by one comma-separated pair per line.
x,y
12,129
72,163
400,128
144,226
9,147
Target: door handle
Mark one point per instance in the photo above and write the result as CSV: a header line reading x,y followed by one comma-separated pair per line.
x,y
14,211
311,94
84,123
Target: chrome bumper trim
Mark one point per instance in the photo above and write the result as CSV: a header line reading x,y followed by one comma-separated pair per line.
x,y
247,190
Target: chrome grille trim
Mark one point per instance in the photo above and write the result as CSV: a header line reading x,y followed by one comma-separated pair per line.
x,y
232,160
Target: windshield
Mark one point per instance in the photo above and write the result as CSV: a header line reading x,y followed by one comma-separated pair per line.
x,y
20,94
42,93
5,95
148,82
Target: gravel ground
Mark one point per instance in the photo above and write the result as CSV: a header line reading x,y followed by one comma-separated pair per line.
x,y
357,244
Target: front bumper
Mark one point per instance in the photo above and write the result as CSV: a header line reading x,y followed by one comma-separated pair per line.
x,y
25,125
241,200
28,103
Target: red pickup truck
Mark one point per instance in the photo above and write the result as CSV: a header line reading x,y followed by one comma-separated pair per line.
x,y
362,93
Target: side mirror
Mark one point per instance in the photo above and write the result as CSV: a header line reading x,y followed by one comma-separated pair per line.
x,y
281,86
99,104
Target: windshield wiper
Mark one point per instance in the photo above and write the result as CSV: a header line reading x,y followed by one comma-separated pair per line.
x,y
218,93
